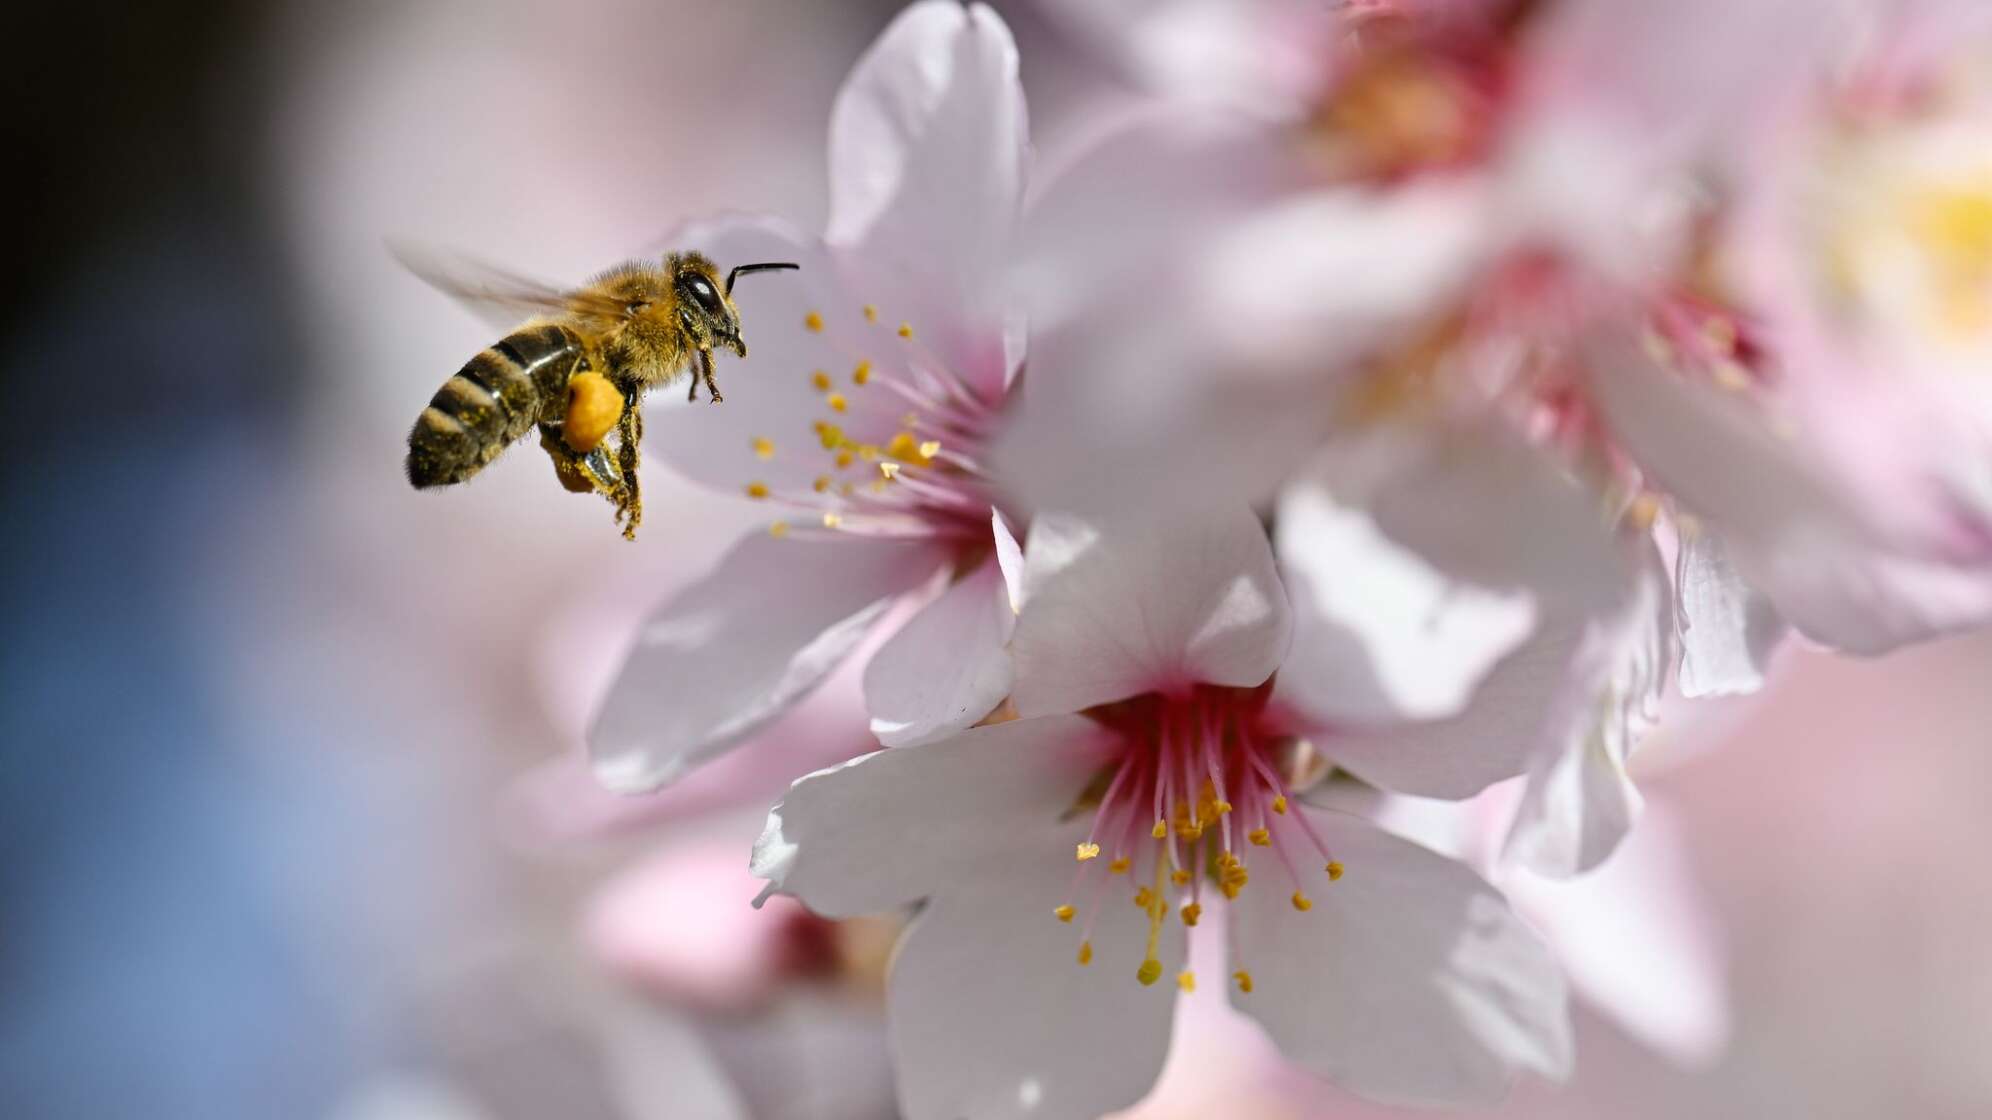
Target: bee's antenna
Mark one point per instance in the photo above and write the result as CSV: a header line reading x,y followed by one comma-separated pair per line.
x,y
743,269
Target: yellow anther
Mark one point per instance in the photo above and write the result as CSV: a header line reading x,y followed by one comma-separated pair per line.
x,y
846,489
831,520
1085,952
1064,913
930,448
764,448
1160,830
1302,903
1180,877
861,374
1088,851
1220,807
831,436
868,451
821,380
906,330
1119,864
1192,912
813,321
821,484
844,460
1186,980
871,313
889,470
757,490
1149,972
1260,836
1279,804
1244,979
1334,870
837,402
778,529
1144,899
1191,831
902,446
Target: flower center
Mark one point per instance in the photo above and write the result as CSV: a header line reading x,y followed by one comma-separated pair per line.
x,y
1197,795
1410,98
894,435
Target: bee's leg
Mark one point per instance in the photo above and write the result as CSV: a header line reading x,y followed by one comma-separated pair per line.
x,y
629,505
705,371
692,390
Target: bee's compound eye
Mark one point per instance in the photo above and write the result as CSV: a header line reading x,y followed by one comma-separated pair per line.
x,y
703,293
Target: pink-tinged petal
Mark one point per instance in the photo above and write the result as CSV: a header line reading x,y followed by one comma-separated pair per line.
x,y
1580,801
1408,981
991,1016
1728,629
1009,559
1830,564
929,146
734,650
1380,635
1117,608
901,824
1639,940
948,667
683,924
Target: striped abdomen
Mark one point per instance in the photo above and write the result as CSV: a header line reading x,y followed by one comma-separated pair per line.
x,y
492,401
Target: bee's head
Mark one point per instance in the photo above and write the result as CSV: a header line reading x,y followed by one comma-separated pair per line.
x,y
705,301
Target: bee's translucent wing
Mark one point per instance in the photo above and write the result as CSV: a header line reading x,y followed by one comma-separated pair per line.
x,y
500,297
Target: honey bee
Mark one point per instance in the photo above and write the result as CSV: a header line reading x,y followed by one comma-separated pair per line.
x,y
577,367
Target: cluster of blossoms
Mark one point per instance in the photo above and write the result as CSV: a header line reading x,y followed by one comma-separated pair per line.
x,y
1396,396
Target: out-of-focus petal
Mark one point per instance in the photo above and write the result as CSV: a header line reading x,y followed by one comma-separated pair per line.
x,y
1118,608
1409,981
992,1017
1379,634
1729,630
928,153
734,650
948,667
904,823
1830,565
1263,58
1638,940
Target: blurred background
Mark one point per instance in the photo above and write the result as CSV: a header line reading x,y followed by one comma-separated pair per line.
x,y
290,823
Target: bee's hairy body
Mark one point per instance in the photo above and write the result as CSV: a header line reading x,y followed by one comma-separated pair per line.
x,y
638,325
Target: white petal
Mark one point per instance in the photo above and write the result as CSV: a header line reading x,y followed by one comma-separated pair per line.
x,y
734,650
1117,608
1580,801
1266,59
1410,981
1728,629
991,1016
901,824
948,667
928,150
1638,939
1379,634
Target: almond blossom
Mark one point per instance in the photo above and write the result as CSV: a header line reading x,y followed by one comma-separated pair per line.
x,y
1154,759
872,384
